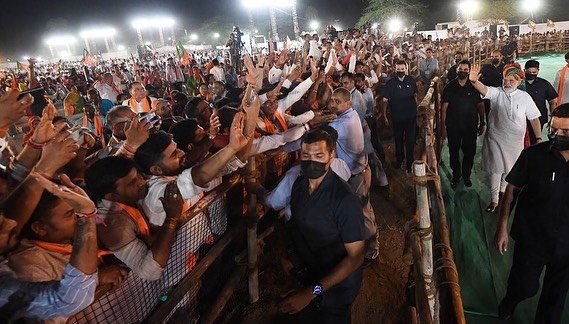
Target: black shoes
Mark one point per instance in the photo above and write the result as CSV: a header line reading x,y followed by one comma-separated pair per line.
x,y
467,183
454,182
491,208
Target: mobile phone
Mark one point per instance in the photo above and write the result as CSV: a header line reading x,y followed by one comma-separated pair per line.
x,y
77,134
151,118
30,91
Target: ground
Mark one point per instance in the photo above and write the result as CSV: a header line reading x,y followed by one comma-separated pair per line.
x,y
382,296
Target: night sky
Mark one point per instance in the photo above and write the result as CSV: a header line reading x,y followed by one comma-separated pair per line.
x,y
24,24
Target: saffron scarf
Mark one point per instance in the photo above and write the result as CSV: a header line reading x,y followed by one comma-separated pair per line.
x,y
134,105
64,249
561,84
137,217
98,125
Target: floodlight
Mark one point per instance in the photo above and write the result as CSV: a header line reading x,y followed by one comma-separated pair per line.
x,y
394,25
194,37
314,25
469,6
98,33
60,40
531,5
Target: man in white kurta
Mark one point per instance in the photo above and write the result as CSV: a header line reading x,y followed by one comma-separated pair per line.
x,y
504,139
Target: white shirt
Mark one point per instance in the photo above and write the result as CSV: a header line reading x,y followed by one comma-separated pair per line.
x,y
270,142
106,91
139,105
218,73
152,205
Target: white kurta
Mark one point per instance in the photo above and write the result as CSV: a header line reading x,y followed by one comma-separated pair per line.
x,y
504,139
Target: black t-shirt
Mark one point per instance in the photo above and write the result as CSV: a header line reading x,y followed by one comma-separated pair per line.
x,y
401,97
320,225
541,91
542,212
451,74
462,111
491,75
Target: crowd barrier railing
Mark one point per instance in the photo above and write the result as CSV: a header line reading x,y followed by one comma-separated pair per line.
x,y
199,244
434,285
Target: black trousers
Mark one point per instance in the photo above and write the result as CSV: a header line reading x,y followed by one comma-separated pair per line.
x,y
465,140
524,281
404,134
375,140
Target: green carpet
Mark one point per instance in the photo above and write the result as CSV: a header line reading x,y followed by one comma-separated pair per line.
x,y
483,272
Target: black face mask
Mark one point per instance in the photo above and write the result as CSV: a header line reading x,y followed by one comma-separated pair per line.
x,y
462,75
312,169
495,61
559,142
530,76
400,74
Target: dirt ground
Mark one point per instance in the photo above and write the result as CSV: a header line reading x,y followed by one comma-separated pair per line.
x,y
382,296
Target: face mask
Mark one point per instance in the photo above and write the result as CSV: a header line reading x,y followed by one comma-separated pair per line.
x,y
530,76
559,142
312,169
462,75
400,74
495,61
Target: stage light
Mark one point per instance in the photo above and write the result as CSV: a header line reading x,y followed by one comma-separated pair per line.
x,y
253,4
314,25
216,35
194,37
374,25
121,47
469,6
98,33
394,25
531,5
60,40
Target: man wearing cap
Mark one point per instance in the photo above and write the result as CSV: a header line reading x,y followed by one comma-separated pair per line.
x,y
561,83
541,91
504,138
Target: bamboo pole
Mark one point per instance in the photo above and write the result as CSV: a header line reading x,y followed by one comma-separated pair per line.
x,y
421,191
224,296
252,243
421,300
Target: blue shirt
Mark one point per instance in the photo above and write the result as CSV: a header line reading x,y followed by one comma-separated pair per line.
x,y
49,299
350,144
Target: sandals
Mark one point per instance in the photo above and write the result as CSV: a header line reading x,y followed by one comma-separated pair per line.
x,y
491,208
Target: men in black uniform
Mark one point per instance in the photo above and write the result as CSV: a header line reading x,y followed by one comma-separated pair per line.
x,y
327,232
491,74
541,91
400,93
541,223
462,112
451,74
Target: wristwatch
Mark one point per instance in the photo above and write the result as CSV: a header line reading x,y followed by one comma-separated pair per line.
x,y
317,291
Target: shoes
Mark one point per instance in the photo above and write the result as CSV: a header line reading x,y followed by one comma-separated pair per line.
x,y
467,183
491,208
454,182
368,262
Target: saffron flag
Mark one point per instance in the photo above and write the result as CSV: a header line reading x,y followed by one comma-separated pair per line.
x,y
550,23
183,54
89,59
532,25
23,66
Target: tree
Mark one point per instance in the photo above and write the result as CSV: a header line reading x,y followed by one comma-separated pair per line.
x,y
499,11
382,10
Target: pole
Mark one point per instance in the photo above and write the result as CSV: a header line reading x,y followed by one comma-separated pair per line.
x,y
113,44
173,35
87,44
274,24
252,29
295,21
419,170
140,39
51,51
107,45
252,242
161,33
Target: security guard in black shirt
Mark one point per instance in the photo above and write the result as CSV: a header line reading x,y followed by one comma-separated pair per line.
x,y
541,91
491,74
541,223
462,113
327,233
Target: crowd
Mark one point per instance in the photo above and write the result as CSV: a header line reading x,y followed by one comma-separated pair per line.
x,y
98,188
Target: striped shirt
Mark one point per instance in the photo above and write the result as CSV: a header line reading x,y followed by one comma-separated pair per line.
x,y
46,300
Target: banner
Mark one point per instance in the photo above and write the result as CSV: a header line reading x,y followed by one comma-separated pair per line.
x,y
182,54
88,59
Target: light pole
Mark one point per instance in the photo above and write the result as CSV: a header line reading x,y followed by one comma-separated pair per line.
x,y
59,41
295,21
152,22
99,33
531,6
